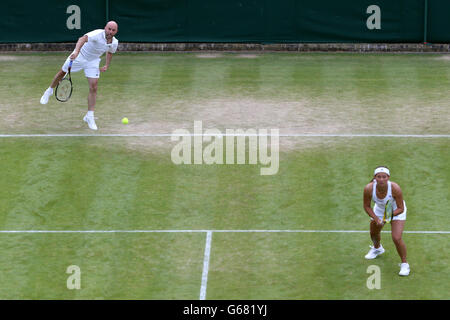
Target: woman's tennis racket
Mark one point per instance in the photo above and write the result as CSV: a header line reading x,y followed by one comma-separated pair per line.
x,y
387,217
64,87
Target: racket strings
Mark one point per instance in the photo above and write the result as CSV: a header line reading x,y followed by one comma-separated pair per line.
x,y
388,211
64,89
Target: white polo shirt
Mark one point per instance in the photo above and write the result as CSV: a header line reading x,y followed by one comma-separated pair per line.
x,y
96,45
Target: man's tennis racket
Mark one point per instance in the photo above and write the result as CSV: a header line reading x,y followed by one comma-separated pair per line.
x,y
387,217
64,88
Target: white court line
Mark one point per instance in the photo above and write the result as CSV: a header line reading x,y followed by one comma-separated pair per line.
x,y
206,265
306,135
210,231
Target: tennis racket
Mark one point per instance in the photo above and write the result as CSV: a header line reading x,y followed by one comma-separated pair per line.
x,y
64,87
387,217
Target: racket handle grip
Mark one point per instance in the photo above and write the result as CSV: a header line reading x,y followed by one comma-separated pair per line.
x,y
70,64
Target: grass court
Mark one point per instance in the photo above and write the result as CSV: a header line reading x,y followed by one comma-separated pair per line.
x,y
141,227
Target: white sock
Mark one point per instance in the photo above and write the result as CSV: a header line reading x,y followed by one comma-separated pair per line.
x,y
90,114
50,90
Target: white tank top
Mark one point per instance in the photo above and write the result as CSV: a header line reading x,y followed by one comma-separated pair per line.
x,y
381,203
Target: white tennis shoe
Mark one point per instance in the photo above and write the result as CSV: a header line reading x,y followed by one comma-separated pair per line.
x,y
374,252
91,122
404,269
46,95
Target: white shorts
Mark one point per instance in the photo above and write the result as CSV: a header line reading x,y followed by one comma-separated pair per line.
x,y
91,68
401,216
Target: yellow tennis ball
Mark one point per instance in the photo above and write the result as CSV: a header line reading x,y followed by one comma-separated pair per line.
x,y
125,120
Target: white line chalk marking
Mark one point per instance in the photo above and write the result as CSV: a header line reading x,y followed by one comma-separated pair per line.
x,y
207,231
140,135
206,265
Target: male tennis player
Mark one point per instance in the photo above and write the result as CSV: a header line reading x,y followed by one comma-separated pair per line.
x,y
380,190
86,56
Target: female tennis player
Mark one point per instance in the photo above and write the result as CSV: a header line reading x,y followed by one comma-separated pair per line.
x,y
380,190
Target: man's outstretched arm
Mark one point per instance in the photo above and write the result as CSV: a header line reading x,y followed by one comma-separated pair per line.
x,y
81,41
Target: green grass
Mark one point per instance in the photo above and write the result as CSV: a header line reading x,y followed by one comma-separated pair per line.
x,y
317,266
161,92
130,183
113,266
